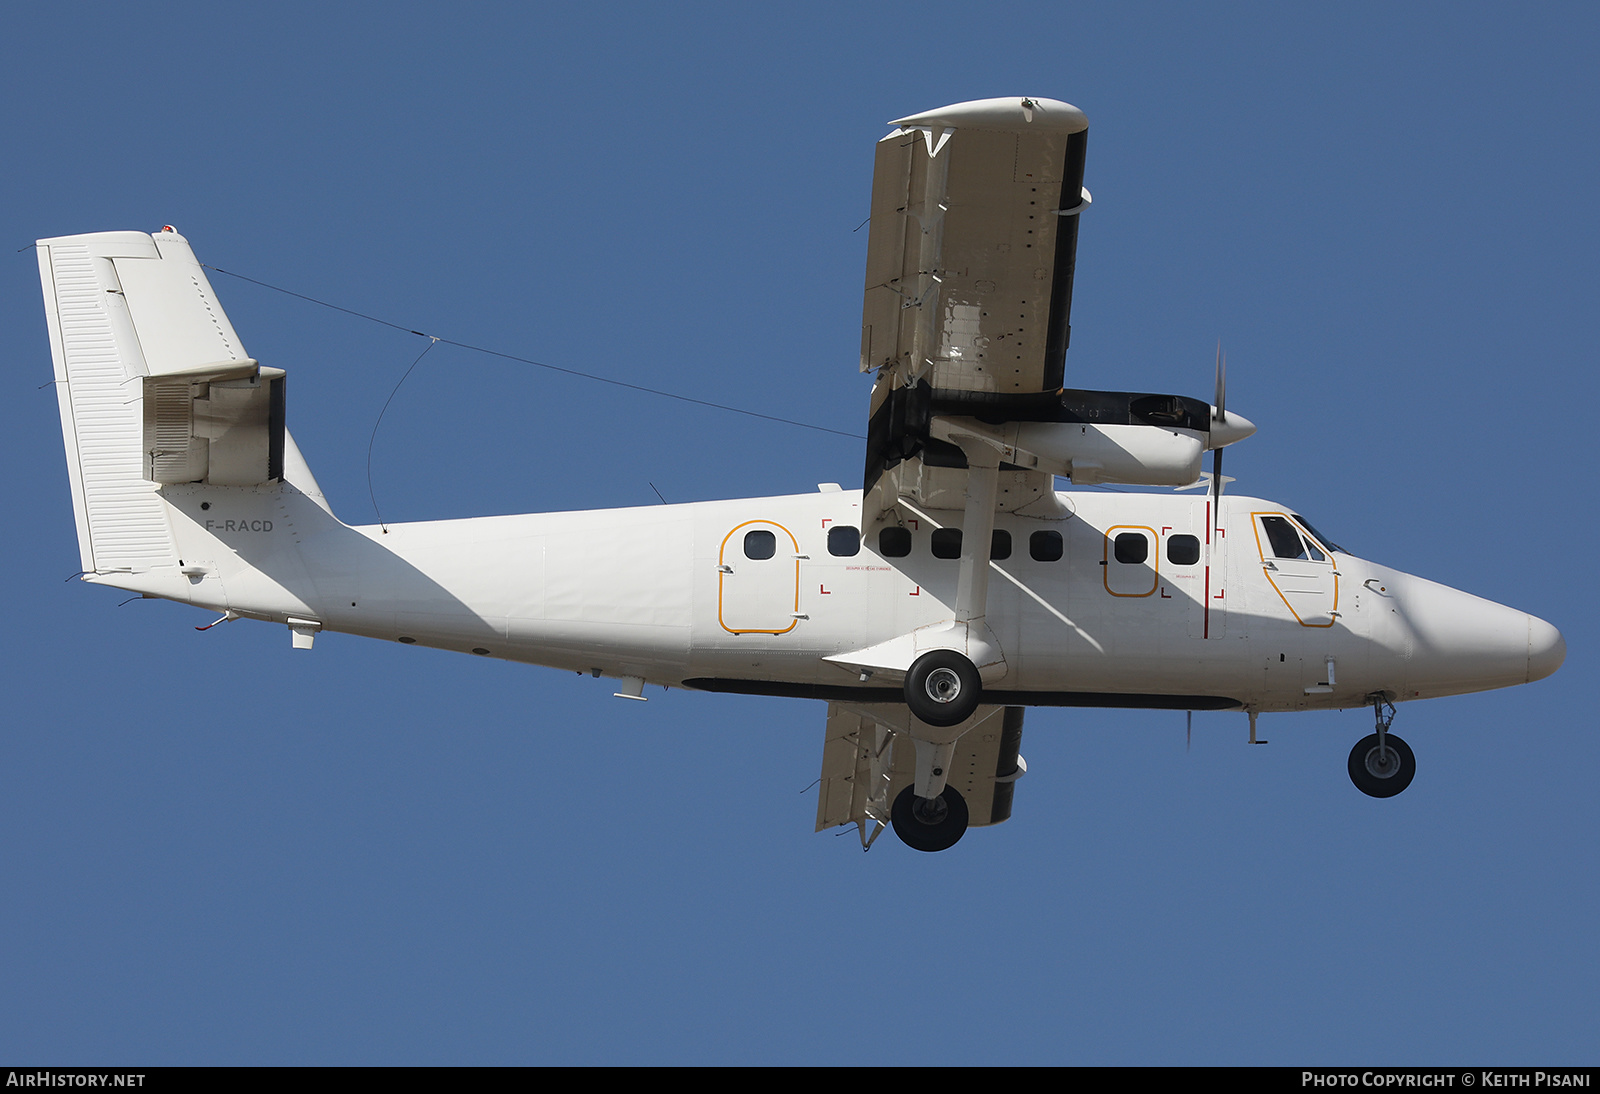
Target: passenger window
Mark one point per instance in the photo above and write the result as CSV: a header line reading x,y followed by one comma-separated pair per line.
x,y
1284,539
946,543
894,542
1183,550
1000,545
1131,548
1045,546
760,544
844,540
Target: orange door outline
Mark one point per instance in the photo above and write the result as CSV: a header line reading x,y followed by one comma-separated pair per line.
x,y
724,569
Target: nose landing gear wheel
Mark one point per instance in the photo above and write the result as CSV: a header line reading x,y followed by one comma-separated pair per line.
x,y
943,688
929,824
1382,772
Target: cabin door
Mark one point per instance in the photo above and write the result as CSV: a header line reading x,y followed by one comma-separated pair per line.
x,y
1132,560
758,579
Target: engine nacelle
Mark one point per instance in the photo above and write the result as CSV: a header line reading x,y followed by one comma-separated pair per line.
x,y
1088,436
1138,455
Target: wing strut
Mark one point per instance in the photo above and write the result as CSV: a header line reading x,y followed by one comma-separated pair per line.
x,y
977,531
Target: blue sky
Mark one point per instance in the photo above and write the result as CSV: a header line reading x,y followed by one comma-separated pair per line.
x,y
219,850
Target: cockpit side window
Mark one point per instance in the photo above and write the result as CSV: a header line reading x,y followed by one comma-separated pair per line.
x,y
1326,542
1284,539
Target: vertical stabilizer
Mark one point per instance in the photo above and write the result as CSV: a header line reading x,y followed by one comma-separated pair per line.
x,y
122,524
154,387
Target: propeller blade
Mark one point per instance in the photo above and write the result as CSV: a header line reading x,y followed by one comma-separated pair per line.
x,y
1219,416
1222,385
1188,731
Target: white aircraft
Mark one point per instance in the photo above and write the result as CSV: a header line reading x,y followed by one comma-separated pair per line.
x,y
928,609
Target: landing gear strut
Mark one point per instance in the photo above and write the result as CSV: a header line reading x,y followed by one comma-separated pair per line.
x,y
929,824
1381,764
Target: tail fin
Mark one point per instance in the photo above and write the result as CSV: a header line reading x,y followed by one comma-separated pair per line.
x,y
155,387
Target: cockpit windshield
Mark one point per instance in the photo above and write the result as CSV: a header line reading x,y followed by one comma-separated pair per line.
x,y
1324,540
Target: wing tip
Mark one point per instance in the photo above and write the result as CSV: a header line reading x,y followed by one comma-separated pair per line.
x,y
1014,112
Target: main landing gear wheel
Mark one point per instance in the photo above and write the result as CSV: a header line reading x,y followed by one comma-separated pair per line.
x,y
943,688
929,824
1382,771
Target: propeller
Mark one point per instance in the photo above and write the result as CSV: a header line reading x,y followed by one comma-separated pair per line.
x,y
1225,429
1219,416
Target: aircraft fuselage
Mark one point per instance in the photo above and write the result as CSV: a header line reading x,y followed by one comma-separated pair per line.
x,y
1110,599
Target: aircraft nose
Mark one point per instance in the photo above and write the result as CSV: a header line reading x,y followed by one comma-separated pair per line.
x,y
1463,643
1546,649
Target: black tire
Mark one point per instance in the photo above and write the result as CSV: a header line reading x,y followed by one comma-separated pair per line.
x,y
943,688
1379,778
929,824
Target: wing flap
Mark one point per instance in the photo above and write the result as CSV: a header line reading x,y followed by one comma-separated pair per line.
x,y
855,757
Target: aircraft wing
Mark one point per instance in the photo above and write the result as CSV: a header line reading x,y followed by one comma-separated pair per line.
x,y
863,771
968,296
974,233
